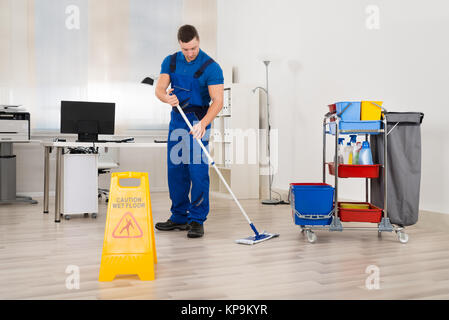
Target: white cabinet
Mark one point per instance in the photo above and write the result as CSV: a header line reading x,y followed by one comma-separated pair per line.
x,y
227,129
226,110
234,143
80,184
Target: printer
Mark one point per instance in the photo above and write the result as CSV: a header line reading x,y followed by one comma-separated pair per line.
x,y
14,128
14,123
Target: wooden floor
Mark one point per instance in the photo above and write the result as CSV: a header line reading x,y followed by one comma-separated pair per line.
x,y
35,252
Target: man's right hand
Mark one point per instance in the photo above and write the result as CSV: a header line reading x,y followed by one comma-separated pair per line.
x,y
171,98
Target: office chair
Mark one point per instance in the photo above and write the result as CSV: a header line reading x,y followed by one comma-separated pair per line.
x,y
108,159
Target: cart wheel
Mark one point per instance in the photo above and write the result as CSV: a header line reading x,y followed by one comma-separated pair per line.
x,y
311,236
379,234
67,217
86,215
99,195
106,200
403,237
94,216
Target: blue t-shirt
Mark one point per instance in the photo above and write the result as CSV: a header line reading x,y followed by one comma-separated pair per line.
x,y
211,76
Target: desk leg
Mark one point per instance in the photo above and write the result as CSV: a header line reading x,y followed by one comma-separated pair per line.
x,y
46,177
58,185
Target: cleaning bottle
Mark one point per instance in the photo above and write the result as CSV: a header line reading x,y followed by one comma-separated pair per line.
x,y
365,156
355,154
347,153
340,150
353,142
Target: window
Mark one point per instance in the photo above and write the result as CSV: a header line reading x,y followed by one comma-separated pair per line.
x,y
88,50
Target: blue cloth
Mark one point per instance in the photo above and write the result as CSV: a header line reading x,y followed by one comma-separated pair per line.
x,y
188,171
212,75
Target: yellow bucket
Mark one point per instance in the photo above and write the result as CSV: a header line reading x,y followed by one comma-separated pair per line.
x,y
354,206
370,110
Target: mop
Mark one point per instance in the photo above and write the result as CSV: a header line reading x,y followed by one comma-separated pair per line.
x,y
257,237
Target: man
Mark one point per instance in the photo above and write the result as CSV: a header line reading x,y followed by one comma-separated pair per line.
x,y
195,80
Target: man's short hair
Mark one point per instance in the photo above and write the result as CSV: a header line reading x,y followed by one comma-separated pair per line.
x,y
187,33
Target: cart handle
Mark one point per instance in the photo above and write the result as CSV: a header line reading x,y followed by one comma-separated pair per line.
x,y
313,216
330,115
349,104
382,108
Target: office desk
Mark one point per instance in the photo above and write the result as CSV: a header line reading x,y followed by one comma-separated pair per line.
x,y
59,148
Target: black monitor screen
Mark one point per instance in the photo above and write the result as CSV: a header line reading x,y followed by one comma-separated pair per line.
x,y
87,119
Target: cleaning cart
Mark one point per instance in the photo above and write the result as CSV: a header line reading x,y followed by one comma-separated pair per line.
x,y
354,118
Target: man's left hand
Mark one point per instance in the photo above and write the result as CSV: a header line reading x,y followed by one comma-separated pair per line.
x,y
198,131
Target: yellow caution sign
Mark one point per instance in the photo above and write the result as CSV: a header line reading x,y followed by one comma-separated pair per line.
x,y
129,246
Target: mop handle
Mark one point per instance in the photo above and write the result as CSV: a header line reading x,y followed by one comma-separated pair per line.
x,y
212,162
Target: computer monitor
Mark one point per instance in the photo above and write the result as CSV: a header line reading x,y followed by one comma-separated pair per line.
x,y
87,119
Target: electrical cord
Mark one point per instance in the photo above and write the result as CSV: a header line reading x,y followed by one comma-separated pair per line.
x,y
271,177
280,197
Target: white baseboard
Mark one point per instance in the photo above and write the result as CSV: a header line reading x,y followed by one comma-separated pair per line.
x,y
35,194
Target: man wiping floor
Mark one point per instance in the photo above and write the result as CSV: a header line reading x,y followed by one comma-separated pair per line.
x,y
195,80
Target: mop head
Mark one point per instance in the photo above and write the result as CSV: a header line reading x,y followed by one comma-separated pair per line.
x,y
256,239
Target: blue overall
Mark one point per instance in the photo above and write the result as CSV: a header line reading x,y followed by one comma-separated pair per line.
x,y
187,166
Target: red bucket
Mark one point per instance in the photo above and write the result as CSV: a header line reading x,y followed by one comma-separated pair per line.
x,y
373,214
355,170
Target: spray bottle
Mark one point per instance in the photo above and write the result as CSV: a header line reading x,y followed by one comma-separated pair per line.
x,y
351,150
340,150
347,153
355,154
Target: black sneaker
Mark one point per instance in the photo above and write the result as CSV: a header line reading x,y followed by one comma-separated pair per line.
x,y
170,225
196,230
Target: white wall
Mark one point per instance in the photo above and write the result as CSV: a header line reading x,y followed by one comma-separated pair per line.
x,y
322,52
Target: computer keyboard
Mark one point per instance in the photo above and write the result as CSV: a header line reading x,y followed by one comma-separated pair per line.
x,y
130,139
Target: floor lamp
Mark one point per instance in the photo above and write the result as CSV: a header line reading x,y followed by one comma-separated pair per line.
x,y
270,200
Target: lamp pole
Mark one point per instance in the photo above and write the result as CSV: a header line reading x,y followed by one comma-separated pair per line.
x,y
270,200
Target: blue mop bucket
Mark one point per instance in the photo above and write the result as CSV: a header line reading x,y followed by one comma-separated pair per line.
x,y
312,203
349,110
